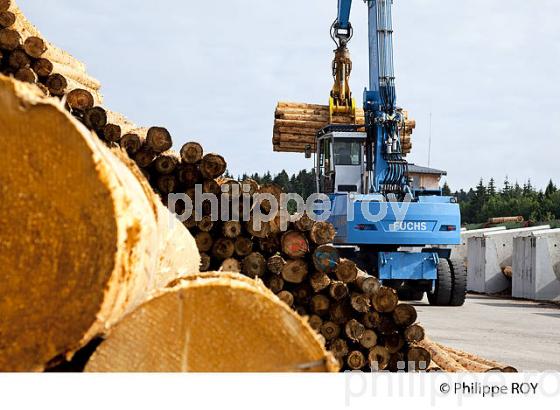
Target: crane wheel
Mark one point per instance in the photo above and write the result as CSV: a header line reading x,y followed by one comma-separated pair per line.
x,y
441,295
459,289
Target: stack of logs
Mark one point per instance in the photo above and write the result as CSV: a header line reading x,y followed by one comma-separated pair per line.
x,y
360,320
26,56
297,124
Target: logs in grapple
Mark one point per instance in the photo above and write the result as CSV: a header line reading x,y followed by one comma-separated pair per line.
x,y
296,126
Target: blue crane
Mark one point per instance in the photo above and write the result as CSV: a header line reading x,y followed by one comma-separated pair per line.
x,y
401,235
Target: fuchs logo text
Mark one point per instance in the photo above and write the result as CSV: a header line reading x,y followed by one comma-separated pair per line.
x,y
409,226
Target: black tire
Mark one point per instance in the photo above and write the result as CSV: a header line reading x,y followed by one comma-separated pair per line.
x,y
410,295
441,296
459,276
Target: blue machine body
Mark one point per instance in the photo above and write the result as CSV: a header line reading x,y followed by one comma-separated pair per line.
x,y
368,219
428,220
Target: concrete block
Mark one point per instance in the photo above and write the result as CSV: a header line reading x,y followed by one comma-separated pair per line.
x,y
487,254
459,252
536,266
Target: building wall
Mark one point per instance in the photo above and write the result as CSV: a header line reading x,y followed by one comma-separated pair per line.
x,y
425,181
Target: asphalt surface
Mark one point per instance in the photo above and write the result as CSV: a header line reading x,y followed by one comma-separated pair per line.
x,y
518,333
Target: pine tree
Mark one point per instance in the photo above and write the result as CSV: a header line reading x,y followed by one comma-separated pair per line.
x,y
550,189
446,191
507,187
492,187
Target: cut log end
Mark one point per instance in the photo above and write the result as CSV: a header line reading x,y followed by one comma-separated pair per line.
x,y
56,84
346,271
79,99
295,271
212,166
7,19
34,46
404,315
44,68
159,139
9,39
192,153
254,265
385,300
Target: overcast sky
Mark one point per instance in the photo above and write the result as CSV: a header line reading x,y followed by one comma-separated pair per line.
x,y
212,71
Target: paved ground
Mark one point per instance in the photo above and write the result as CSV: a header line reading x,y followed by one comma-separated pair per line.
x,y
522,334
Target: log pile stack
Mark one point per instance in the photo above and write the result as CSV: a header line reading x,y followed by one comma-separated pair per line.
x,y
297,124
99,264
28,57
453,360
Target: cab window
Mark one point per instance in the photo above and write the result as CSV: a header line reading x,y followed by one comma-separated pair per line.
x,y
347,152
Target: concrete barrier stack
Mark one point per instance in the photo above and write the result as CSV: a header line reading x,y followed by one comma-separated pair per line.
x,y
488,253
536,266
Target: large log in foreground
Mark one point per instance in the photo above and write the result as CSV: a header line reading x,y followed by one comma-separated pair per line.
x,y
84,241
213,322
297,124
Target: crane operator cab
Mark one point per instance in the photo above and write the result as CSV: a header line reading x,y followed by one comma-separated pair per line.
x,y
340,162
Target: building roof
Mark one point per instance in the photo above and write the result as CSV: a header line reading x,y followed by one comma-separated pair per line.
x,y
417,169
